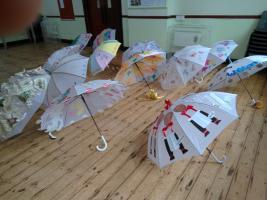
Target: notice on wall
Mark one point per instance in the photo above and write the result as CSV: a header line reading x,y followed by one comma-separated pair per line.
x,y
147,3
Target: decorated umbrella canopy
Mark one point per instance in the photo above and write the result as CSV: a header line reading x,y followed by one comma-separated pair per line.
x,y
140,62
238,70
66,67
218,54
103,55
183,66
106,34
81,101
188,126
82,40
20,98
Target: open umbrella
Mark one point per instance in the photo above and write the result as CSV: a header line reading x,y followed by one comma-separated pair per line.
x,y
103,55
140,62
106,34
188,126
218,54
238,70
66,68
183,66
20,98
81,101
82,40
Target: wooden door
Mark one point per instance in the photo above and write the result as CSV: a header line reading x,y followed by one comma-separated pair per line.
x,y
101,14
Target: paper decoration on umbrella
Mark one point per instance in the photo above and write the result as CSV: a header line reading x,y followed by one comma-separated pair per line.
x,y
106,34
103,55
218,54
183,66
238,70
140,62
81,101
188,126
82,40
20,98
66,68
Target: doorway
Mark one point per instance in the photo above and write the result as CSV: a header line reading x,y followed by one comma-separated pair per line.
x,y
101,14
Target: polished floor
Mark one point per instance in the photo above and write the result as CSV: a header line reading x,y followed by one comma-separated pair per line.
x,y
35,167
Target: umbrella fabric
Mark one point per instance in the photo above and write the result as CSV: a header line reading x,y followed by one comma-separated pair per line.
x,y
187,127
241,68
66,67
82,40
103,55
147,56
70,107
183,66
20,98
219,52
106,34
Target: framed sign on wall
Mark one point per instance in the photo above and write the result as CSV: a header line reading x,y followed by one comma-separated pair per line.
x,y
146,3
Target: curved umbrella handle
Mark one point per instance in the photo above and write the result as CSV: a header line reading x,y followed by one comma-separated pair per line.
x,y
199,81
220,161
105,145
51,136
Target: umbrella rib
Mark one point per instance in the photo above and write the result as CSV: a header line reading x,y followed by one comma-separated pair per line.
x,y
67,63
67,73
55,84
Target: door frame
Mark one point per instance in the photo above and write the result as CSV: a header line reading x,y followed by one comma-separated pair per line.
x,y
86,17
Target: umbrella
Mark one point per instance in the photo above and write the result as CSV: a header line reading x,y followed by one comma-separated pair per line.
x,y
188,126
103,55
140,62
20,98
106,34
82,40
218,54
183,66
66,67
238,70
81,101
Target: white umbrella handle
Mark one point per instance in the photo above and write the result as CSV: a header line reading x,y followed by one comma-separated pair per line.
x,y
199,81
220,161
51,136
105,145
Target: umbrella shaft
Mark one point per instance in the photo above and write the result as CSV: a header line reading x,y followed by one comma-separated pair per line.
x,y
142,75
97,127
241,80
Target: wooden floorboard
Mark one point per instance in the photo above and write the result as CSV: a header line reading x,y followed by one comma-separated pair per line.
x,y
35,167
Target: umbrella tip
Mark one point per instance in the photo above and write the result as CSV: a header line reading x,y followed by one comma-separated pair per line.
x,y
258,104
153,95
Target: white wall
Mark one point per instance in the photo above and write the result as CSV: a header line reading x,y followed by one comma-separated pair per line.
x,y
68,29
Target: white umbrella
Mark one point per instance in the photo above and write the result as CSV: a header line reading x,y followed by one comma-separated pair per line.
x,y
20,98
183,66
187,127
82,40
66,68
238,70
103,55
81,101
218,54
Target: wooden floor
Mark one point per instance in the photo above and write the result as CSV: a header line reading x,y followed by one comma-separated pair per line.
x,y
35,167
